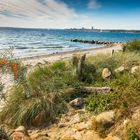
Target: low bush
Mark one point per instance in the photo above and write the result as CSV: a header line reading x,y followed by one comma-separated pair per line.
x,y
99,103
125,94
132,46
132,135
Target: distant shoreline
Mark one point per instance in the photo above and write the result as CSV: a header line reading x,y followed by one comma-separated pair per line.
x,y
78,29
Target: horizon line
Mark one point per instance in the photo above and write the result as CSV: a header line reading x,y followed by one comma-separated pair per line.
x,y
71,28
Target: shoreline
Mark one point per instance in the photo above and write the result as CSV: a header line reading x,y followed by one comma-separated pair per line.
x,y
33,60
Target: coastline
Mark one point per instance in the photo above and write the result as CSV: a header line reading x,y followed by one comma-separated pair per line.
x,y
68,54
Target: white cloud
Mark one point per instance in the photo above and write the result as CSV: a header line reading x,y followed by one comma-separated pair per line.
x,y
41,14
94,4
57,14
36,8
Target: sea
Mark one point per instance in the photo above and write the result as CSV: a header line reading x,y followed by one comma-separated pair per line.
x,y
36,42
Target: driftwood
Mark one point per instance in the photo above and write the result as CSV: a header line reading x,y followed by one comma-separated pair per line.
x,y
89,90
80,66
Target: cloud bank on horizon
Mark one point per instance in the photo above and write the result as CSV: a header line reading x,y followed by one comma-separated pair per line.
x,y
69,14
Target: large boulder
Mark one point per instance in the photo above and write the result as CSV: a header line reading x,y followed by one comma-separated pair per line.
x,y
106,73
106,118
20,133
135,69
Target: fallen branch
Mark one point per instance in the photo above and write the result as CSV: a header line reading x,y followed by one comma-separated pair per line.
x,y
96,90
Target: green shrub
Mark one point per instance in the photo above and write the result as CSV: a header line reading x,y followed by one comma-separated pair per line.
x,y
4,135
132,134
125,86
99,103
88,73
132,46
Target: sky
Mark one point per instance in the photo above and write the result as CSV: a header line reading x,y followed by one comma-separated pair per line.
x,y
103,14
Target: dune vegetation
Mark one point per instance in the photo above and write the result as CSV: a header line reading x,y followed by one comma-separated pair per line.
x,y
44,94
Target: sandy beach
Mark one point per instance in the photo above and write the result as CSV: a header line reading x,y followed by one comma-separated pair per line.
x,y
67,55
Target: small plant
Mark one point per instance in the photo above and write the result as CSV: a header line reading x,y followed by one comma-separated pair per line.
x,y
132,134
99,103
4,135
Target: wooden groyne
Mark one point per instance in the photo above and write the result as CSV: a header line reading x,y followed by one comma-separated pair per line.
x,y
93,41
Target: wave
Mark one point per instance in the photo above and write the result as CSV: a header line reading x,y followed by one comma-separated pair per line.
x,y
47,47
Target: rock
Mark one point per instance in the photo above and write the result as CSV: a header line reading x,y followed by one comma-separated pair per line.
x,y
39,136
80,135
20,133
90,135
77,103
67,138
135,69
120,69
105,119
21,129
61,125
86,125
75,119
106,73
82,126
20,136
111,137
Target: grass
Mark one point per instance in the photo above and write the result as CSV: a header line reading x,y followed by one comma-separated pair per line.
x,y
4,135
132,134
125,85
132,46
46,88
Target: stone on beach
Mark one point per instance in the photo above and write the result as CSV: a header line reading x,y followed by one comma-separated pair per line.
x,y
105,119
106,73
78,102
120,69
135,69
20,133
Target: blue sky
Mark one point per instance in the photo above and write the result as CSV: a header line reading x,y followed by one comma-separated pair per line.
x,y
106,14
